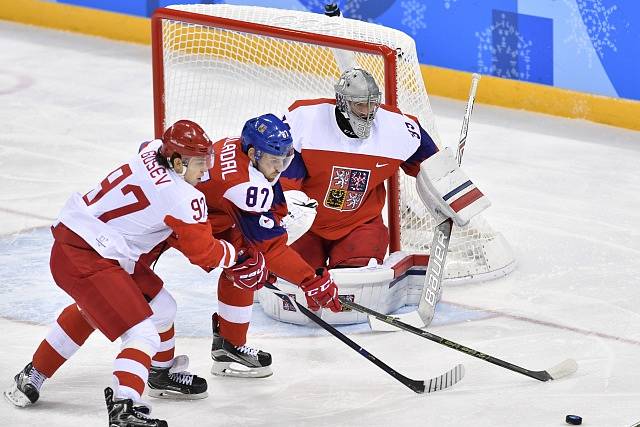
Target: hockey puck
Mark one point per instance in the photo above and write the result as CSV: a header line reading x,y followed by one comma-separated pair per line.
x,y
574,420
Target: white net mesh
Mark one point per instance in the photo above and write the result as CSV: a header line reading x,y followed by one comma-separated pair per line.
x,y
220,78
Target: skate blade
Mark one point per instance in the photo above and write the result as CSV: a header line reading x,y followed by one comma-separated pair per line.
x,y
175,395
237,370
16,397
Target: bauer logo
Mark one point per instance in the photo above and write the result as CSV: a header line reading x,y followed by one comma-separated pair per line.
x,y
347,188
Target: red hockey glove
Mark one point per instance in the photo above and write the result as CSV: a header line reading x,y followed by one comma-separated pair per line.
x,y
250,272
321,291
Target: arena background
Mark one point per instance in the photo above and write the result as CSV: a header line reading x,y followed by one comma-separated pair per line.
x,y
571,58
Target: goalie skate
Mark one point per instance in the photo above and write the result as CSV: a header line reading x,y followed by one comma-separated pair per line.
x,y
176,382
237,361
25,389
122,413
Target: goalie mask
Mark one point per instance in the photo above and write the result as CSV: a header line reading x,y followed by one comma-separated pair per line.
x,y
358,98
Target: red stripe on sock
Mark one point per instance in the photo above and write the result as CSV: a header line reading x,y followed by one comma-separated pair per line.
x,y
235,333
74,324
166,336
47,360
130,380
134,354
164,356
466,200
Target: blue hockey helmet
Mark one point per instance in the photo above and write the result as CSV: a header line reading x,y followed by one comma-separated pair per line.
x,y
267,134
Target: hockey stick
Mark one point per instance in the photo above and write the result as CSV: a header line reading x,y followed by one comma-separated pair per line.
x,y
432,284
441,382
435,272
475,79
562,369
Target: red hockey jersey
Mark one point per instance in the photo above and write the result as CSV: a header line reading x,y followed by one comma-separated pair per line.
x,y
346,175
243,204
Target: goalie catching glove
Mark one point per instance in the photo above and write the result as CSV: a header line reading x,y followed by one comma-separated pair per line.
x,y
321,291
250,272
447,192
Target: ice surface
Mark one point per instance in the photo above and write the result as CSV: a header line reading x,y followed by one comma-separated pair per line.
x,y
565,194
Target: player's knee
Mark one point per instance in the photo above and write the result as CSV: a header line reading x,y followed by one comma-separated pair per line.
x,y
143,336
367,241
164,308
354,262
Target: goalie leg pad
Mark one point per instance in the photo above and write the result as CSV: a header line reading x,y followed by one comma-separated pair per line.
x,y
447,191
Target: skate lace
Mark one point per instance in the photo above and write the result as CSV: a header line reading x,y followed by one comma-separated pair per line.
x,y
36,378
182,377
248,350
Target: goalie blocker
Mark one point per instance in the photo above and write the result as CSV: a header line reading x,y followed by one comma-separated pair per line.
x,y
447,192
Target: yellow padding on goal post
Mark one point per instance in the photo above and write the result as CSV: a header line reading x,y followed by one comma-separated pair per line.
x,y
78,19
534,97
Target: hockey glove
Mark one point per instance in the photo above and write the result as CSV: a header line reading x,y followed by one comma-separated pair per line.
x,y
250,272
321,291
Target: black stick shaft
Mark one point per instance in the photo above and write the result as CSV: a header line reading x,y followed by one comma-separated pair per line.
x,y
415,385
538,375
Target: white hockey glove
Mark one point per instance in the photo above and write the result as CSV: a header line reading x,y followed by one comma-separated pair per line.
x,y
447,192
302,212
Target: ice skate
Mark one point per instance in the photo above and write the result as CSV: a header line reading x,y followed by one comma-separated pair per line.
x,y
25,389
241,361
123,413
175,382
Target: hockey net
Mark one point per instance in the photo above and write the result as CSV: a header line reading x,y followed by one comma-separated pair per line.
x,y
220,65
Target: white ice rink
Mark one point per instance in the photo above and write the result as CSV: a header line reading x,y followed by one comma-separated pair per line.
x,y
565,193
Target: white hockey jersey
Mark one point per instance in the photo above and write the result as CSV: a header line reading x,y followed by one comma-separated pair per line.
x,y
124,216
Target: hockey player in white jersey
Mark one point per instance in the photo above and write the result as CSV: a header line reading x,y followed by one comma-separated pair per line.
x,y
100,258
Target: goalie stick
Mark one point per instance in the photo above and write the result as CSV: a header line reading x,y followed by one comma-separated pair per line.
x,y
432,284
440,382
562,369
475,79
423,316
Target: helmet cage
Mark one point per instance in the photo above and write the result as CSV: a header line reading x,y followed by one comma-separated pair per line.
x,y
357,86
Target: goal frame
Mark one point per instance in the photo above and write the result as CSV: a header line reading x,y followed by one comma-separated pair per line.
x,y
387,54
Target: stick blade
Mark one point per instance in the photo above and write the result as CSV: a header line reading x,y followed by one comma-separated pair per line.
x,y
412,318
563,369
446,380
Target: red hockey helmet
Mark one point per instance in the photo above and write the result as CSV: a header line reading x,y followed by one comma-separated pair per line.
x,y
188,139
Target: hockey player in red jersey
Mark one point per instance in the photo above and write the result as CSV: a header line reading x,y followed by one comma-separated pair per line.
x,y
246,205
103,242
345,149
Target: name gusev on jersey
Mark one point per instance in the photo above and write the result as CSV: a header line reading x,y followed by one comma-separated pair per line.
x,y
241,199
346,175
129,213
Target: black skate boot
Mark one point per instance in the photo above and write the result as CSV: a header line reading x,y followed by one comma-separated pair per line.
x,y
25,389
241,361
175,382
122,413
